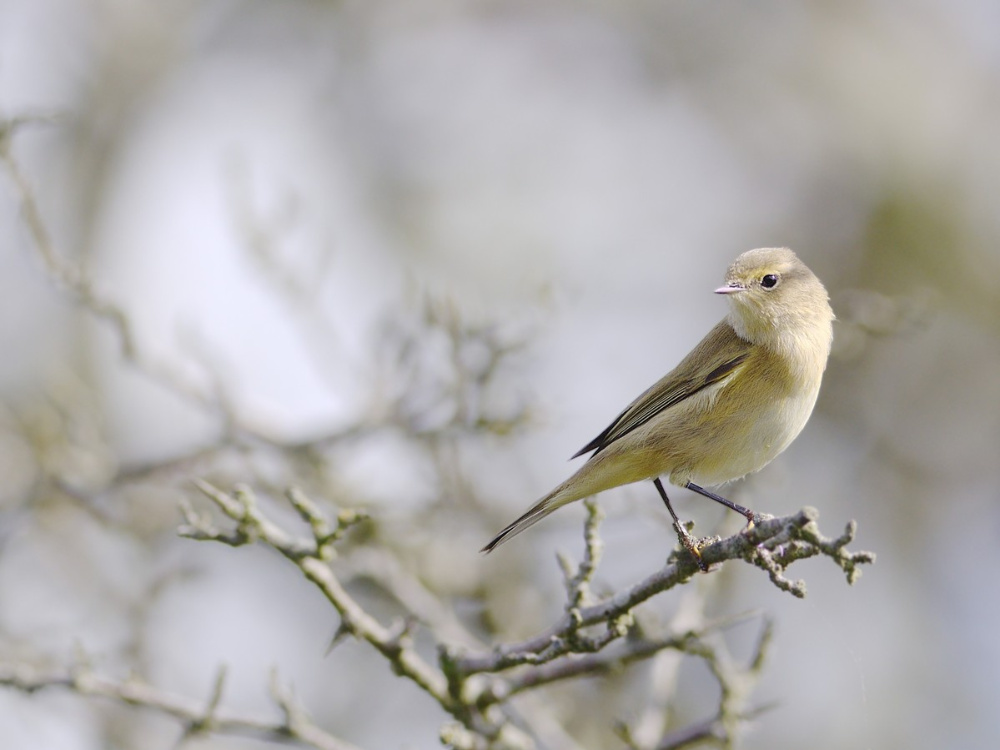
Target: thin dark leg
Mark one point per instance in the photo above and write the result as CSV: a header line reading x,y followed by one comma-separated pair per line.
x,y
682,533
666,500
745,512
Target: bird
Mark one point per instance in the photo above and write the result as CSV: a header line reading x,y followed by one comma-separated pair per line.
x,y
732,405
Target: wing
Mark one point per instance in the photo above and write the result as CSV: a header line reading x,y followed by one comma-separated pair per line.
x,y
718,355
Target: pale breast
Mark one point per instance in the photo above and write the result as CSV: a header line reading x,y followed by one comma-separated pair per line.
x,y
740,433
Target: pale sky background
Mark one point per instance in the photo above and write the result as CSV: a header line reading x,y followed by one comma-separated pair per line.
x,y
578,172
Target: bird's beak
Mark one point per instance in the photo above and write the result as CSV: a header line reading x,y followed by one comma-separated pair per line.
x,y
730,289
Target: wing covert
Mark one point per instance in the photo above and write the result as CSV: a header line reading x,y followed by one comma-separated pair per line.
x,y
718,355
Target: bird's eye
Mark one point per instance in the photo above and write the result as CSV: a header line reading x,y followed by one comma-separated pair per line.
x,y
769,281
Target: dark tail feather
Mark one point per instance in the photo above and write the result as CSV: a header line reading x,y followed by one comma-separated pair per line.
x,y
538,511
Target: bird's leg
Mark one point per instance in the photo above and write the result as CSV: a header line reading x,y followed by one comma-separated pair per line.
x,y
683,536
751,517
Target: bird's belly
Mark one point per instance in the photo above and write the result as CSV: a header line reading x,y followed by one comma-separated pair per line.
x,y
753,443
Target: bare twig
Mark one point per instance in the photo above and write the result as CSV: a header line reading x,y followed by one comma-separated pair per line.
x,y
736,683
197,719
709,729
782,540
612,660
310,557
75,282
578,583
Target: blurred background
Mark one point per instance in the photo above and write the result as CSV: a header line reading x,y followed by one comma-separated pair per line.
x,y
295,203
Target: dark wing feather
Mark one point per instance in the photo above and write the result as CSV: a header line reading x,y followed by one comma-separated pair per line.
x,y
718,354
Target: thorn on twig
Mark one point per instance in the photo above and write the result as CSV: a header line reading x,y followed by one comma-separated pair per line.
x,y
206,722
339,636
217,687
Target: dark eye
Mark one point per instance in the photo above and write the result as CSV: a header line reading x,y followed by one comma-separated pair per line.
x,y
769,281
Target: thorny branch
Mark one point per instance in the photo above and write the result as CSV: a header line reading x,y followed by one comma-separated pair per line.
x,y
564,651
778,541
310,555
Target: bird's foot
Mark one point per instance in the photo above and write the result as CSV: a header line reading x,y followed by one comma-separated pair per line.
x,y
754,518
691,544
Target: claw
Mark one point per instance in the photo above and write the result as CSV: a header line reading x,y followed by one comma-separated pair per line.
x,y
689,543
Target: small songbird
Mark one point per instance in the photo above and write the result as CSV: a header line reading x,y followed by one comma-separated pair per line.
x,y
733,404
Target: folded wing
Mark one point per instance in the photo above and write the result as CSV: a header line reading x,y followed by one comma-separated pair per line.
x,y
719,355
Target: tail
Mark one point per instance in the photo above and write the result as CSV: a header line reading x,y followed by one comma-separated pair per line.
x,y
572,489
602,471
536,513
